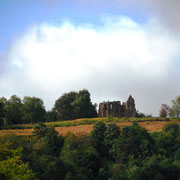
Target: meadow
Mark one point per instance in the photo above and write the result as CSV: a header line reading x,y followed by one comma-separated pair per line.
x,y
85,121
85,125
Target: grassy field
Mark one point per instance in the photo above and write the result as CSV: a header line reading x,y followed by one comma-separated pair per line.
x,y
85,121
84,126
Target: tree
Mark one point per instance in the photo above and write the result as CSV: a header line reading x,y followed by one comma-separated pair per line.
x,y
33,110
175,110
51,116
13,111
11,165
63,106
2,113
81,156
140,114
98,136
164,111
155,167
168,142
40,129
172,128
83,107
111,133
53,142
74,105
133,142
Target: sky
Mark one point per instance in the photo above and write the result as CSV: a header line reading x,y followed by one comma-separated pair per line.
x,y
113,49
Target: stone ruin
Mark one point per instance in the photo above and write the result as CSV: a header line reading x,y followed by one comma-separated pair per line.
x,y
116,109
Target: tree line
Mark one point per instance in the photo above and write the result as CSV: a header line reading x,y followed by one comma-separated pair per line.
x,y
69,106
107,153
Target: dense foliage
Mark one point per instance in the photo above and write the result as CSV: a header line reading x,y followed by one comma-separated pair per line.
x,y
11,165
69,106
15,111
75,105
108,153
33,110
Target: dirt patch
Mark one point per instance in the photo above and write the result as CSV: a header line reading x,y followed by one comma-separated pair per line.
x,y
17,132
151,126
77,130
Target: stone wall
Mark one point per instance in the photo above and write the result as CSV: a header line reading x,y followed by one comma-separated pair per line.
x,y
110,108
116,109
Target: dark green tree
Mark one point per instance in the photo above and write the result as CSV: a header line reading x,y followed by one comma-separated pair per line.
x,y
134,142
51,168
154,167
53,142
63,106
33,110
51,116
168,142
13,111
81,156
98,137
47,166
43,156
172,128
40,129
111,133
74,105
2,113
83,107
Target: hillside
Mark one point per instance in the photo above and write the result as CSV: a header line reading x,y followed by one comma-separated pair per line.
x,y
85,126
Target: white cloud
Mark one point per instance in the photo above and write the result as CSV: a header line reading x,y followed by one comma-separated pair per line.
x,y
113,60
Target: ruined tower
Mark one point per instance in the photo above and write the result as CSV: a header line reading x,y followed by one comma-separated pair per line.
x,y
129,109
116,109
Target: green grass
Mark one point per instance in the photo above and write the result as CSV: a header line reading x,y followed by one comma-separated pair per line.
x,y
86,121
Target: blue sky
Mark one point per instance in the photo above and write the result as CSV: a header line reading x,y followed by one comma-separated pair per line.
x,y
48,47
17,15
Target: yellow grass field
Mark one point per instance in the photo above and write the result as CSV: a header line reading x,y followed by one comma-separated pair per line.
x,y
151,126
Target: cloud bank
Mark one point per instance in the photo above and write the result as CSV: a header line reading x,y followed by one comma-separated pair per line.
x,y
112,61
165,11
